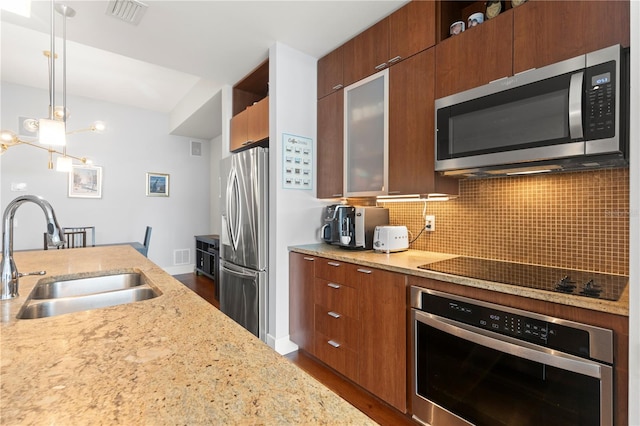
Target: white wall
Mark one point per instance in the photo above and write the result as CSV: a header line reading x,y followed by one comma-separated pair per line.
x,y
634,217
135,142
294,215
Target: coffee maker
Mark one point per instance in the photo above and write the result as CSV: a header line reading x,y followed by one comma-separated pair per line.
x,y
352,227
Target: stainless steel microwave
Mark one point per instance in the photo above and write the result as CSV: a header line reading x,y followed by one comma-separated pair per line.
x,y
566,116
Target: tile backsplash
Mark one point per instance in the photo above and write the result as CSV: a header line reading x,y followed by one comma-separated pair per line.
x,y
576,220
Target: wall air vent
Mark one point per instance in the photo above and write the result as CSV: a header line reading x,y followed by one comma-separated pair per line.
x,y
130,11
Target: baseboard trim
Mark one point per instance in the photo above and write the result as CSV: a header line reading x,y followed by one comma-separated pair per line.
x,y
180,269
283,345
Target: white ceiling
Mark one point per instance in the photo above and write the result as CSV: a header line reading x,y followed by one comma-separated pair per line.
x,y
177,45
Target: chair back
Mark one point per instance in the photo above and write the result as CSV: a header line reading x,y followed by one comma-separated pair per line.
x,y
72,239
147,237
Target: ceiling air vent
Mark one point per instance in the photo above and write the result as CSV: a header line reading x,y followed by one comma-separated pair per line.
x,y
130,11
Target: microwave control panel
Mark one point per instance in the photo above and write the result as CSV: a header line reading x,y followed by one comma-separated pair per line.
x,y
600,98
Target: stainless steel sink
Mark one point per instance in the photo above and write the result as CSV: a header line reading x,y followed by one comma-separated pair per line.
x,y
83,286
51,298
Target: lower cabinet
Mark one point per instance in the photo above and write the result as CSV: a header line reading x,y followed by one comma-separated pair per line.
x,y
359,323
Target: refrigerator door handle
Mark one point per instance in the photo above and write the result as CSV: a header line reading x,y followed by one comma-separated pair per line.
x,y
238,273
233,212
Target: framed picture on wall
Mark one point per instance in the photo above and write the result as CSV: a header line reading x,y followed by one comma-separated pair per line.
x,y
157,185
85,181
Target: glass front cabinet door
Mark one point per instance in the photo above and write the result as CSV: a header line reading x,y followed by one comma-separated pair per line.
x,y
366,136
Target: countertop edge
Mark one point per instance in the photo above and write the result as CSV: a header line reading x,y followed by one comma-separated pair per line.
x,y
407,263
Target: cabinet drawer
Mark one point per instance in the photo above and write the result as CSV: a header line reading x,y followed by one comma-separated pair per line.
x,y
332,270
337,356
336,297
337,327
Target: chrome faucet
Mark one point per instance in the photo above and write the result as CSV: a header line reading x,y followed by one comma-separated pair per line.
x,y
10,273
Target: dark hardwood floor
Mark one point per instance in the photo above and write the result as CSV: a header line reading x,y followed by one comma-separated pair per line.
x,y
373,407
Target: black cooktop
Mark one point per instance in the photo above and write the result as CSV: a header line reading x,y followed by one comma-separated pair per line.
x,y
580,283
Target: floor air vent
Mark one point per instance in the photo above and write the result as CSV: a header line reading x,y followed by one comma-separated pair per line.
x,y
130,11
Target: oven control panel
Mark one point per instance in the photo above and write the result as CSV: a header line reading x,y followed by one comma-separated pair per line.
x,y
520,326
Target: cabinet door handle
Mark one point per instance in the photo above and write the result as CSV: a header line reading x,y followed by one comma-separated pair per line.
x,y
381,66
334,343
365,271
337,86
336,195
334,314
333,285
336,264
247,143
310,259
394,59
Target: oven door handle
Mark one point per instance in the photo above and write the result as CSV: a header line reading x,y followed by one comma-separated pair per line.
x,y
515,347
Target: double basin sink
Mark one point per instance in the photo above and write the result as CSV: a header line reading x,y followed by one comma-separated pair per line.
x,y
51,297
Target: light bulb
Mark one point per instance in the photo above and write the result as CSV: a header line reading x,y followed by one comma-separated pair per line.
x,y
7,136
64,164
98,126
52,132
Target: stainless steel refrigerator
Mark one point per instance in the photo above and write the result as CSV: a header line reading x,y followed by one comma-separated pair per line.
x,y
244,238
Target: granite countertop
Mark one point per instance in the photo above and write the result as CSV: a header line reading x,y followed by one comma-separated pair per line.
x,y
172,360
407,262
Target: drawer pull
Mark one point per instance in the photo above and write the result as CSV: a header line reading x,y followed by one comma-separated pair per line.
x,y
334,343
310,259
337,86
334,314
333,285
365,271
395,59
381,66
336,264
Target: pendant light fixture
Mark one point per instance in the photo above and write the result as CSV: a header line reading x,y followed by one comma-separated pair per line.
x,y
52,131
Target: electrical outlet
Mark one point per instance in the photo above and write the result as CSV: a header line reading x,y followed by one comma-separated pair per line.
x,y
430,223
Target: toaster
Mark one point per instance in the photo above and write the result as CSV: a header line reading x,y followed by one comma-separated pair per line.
x,y
389,239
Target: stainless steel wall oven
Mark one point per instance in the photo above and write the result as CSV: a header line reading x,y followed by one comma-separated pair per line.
x,y
480,363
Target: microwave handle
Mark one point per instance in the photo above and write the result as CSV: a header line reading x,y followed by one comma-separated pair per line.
x,y
575,106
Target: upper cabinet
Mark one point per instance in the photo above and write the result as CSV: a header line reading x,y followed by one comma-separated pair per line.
x,y
546,32
407,31
474,58
366,119
412,29
330,76
330,147
535,34
411,129
250,122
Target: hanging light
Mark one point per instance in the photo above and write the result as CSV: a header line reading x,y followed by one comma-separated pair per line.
x,y
52,131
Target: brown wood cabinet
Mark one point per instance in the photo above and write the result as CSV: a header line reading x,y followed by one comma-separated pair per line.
x,y
383,346
359,322
532,35
337,317
366,53
330,149
301,279
402,34
250,126
411,128
475,57
412,29
546,32
330,76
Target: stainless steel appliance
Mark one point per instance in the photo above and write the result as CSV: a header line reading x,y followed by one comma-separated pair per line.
x,y
569,115
352,227
478,363
244,238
